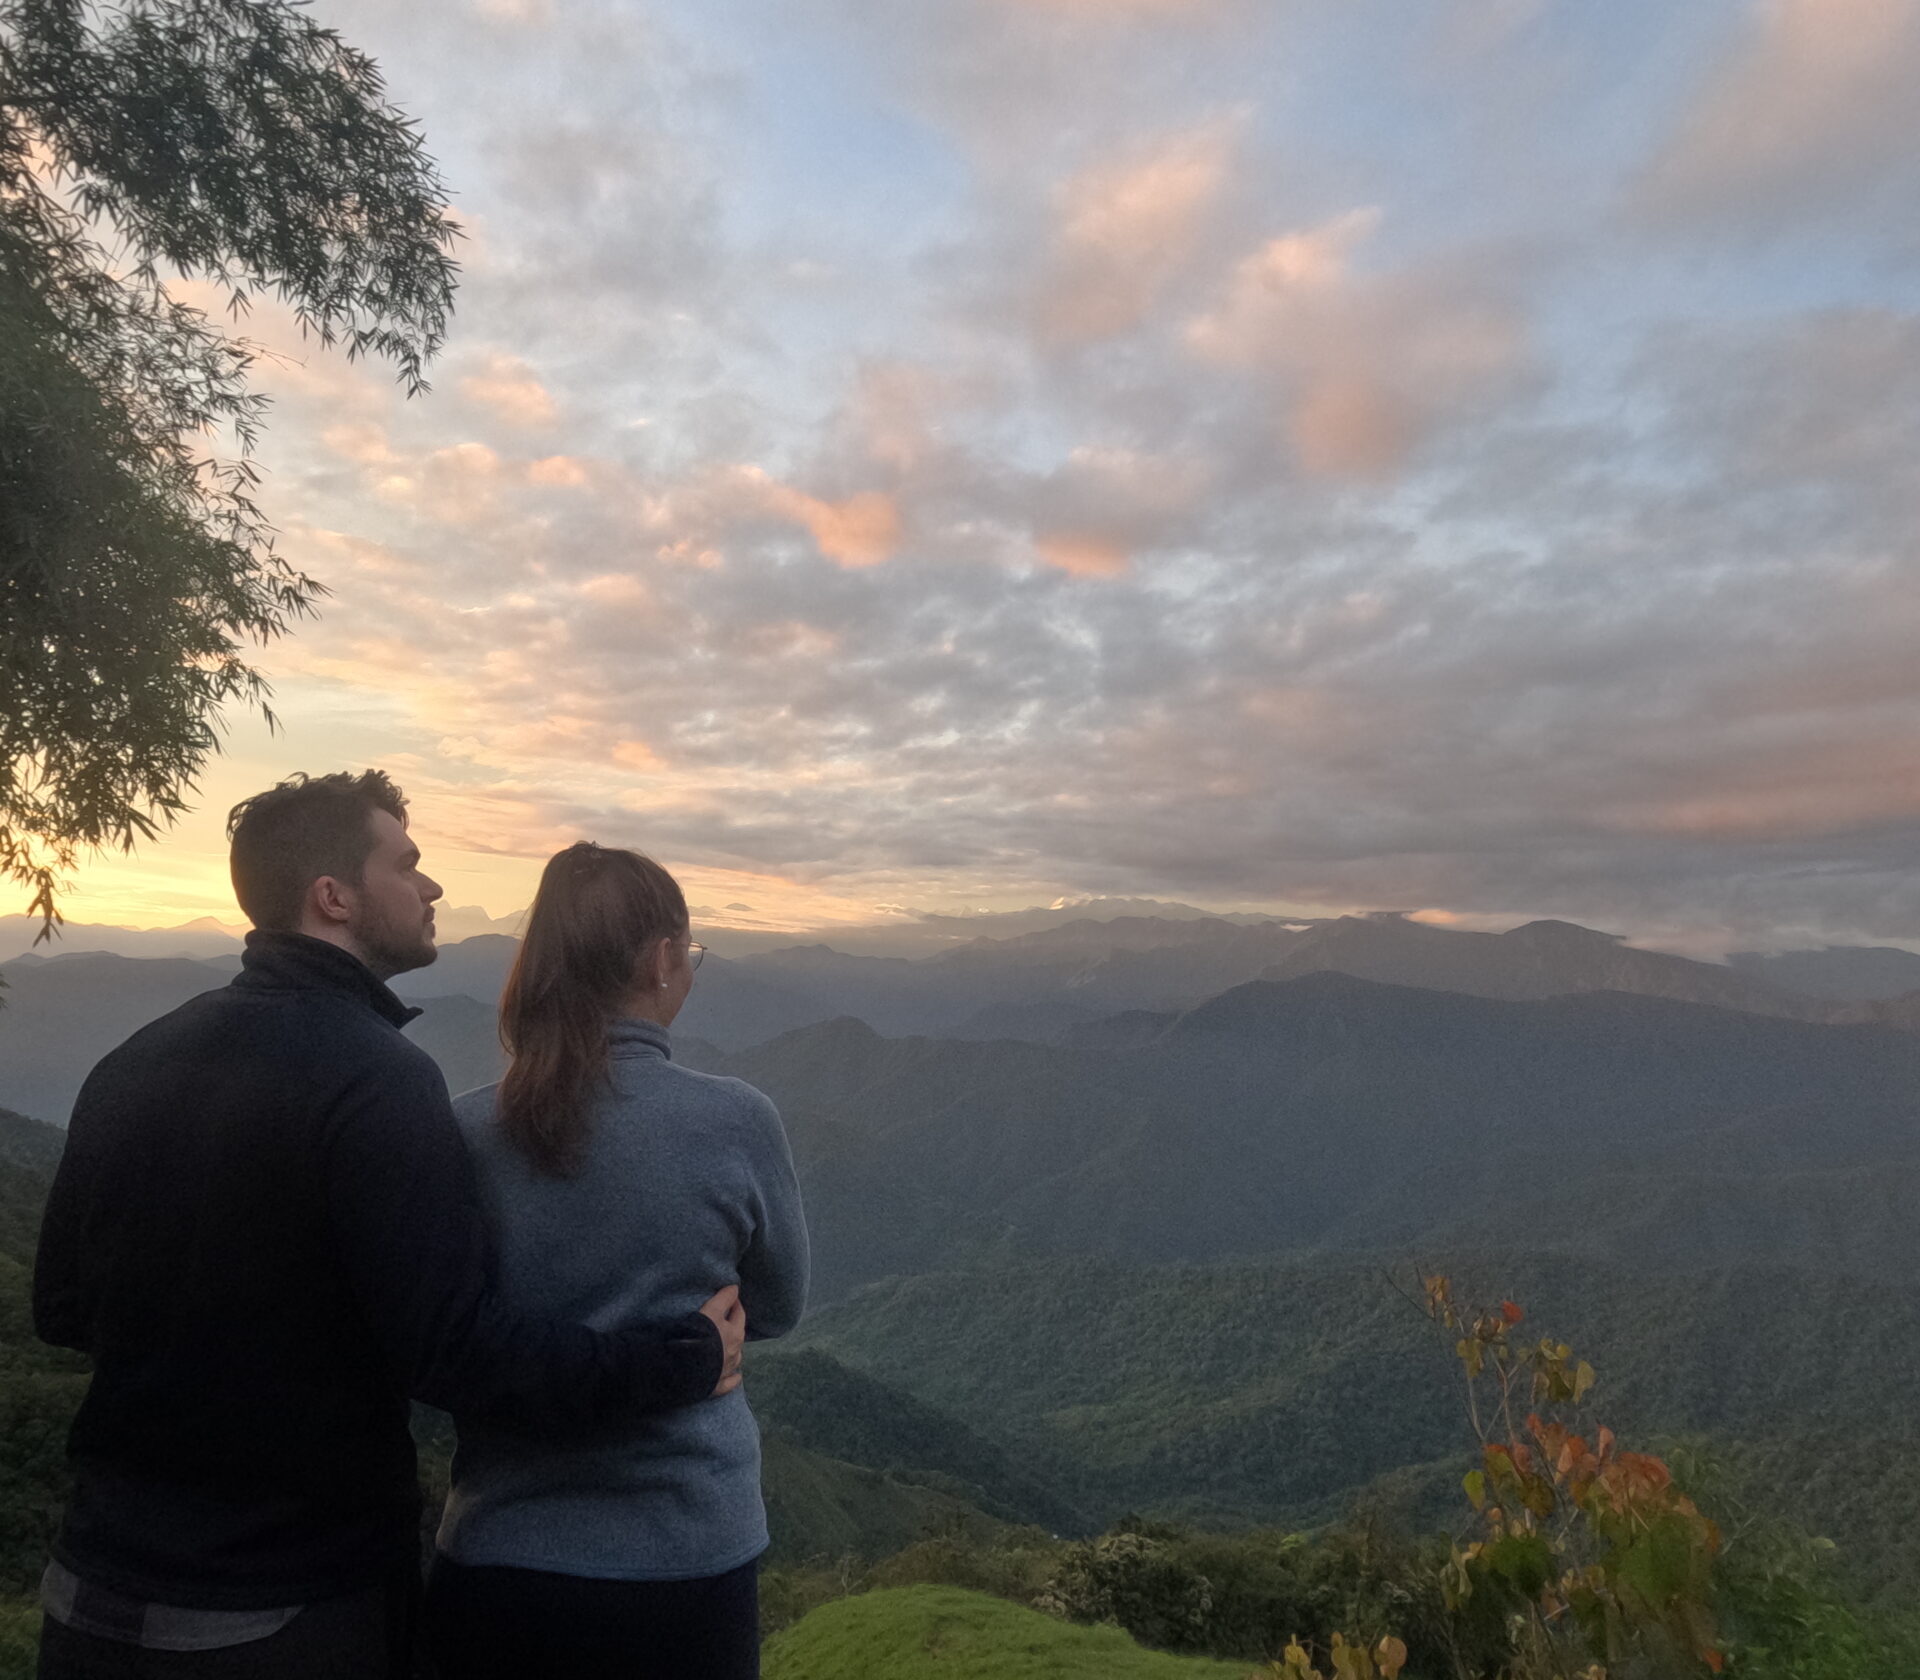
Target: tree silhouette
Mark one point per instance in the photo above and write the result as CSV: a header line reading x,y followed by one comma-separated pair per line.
x,y
236,142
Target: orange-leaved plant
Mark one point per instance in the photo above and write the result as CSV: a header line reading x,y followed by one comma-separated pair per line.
x,y
1346,1662
1599,1567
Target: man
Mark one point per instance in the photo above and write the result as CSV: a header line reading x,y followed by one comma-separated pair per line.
x,y
266,1232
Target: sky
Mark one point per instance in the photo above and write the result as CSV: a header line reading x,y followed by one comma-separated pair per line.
x,y
898,455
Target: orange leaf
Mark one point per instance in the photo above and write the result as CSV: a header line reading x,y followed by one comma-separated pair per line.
x,y
1511,1312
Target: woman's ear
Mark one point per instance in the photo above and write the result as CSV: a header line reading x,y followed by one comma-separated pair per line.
x,y
659,964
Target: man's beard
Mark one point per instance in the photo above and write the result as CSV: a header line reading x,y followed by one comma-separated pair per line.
x,y
388,949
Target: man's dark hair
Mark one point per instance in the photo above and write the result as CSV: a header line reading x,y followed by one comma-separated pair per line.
x,y
298,830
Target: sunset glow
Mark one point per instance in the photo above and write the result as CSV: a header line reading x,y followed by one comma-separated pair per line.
x,y
1452,455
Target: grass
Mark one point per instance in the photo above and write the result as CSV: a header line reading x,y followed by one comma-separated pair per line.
x,y
19,1638
942,1633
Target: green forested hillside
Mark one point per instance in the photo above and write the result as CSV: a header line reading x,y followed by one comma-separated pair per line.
x,y
1270,1391
811,1400
823,1509
39,1389
29,1152
939,1633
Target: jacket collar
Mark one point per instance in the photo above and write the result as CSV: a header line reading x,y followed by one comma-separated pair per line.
x,y
276,961
628,1039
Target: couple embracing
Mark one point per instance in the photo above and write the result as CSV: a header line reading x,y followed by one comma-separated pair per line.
x,y
271,1232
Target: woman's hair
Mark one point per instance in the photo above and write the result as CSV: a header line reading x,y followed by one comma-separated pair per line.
x,y
596,912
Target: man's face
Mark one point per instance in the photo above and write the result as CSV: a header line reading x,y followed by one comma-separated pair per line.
x,y
392,920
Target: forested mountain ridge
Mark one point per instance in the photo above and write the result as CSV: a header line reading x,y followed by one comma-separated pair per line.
x,y
1334,1112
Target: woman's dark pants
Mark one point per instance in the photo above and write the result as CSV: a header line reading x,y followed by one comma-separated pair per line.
x,y
489,1623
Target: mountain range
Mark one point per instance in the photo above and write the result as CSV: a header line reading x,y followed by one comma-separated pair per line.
x,y
1033,985
61,1013
204,936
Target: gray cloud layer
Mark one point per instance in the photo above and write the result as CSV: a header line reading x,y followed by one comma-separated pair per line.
x,y
1157,521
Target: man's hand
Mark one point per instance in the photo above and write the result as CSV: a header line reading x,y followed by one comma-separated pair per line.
x,y
730,1319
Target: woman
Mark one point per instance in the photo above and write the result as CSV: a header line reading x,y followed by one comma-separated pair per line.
x,y
628,1189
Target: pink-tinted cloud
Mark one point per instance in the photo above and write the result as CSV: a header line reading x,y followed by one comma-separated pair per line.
x,y
1125,230
1362,366
1082,555
509,389
861,530
457,485
1815,101
364,442
559,472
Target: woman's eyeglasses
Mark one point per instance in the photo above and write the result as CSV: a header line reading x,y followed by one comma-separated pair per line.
x,y
694,953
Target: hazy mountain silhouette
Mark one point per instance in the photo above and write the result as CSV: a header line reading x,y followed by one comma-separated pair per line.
x,y
1843,973
203,937
1538,960
62,1014
1085,982
1036,984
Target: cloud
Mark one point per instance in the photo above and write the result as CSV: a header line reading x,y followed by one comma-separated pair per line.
x,y
507,388
1080,555
1125,230
558,472
516,12
363,442
1034,89
1103,494
1361,366
1812,107
1118,11
862,530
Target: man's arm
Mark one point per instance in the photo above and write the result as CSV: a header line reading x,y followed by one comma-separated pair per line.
x,y
65,1283
413,1237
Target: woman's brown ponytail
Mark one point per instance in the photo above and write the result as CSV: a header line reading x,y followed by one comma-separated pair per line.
x,y
597,911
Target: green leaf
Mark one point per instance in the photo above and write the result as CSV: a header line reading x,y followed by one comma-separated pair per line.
x,y
1658,1563
1523,1560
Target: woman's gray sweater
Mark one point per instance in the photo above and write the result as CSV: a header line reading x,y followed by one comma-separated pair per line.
x,y
686,1186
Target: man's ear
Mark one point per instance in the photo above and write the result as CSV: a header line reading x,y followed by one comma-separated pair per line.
x,y
328,899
